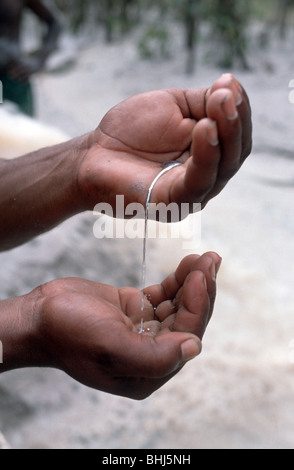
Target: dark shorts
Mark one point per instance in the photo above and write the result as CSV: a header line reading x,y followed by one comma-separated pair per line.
x,y
19,93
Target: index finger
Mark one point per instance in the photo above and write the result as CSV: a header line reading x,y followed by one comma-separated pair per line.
x,y
169,287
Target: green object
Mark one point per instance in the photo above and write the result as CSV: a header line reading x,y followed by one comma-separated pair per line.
x,y
20,93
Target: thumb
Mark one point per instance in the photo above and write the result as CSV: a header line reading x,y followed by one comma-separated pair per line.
x,y
157,357
190,349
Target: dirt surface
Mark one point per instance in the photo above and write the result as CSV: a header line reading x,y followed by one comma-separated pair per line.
x,y
240,392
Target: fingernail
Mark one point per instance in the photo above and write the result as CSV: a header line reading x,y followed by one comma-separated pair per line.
x,y
212,271
235,88
239,98
190,349
212,134
229,107
238,95
204,280
239,92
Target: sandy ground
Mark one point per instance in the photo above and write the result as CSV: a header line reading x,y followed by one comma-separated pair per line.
x,y
239,394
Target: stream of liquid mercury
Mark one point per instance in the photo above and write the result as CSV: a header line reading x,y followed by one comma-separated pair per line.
x,y
168,167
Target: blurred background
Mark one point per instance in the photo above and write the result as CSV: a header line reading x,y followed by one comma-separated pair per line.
x,y
240,392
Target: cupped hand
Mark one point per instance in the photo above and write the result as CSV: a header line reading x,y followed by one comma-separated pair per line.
x,y
92,331
208,130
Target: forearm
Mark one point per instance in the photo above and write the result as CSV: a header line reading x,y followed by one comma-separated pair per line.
x,y
39,191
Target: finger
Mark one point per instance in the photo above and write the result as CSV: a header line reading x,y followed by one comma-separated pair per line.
x,y
242,102
210,265
136,305
151,364
195,303
202,169
195,99
221,108
201,263
230,82
169,287
167,297
194,312
152,357
245,114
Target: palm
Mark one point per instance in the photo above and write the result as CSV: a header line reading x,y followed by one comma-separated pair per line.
x,y
96,327
155,126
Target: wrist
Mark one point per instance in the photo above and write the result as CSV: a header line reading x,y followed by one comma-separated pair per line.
x,y
19,333
90,173
80,147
